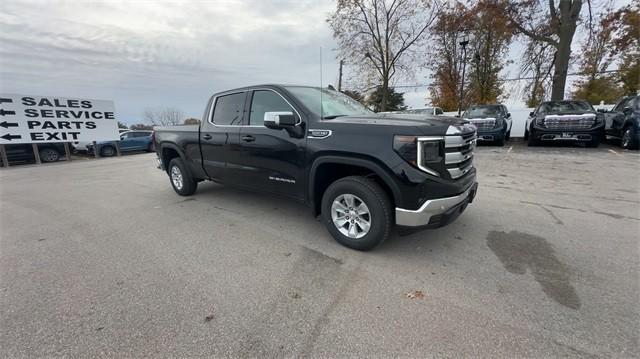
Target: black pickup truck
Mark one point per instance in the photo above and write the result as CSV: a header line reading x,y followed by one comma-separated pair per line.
x,y
361,171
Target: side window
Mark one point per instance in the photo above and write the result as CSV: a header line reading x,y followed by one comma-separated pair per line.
x,y
266,101
126,135
141,134
228,109
439,111
621,105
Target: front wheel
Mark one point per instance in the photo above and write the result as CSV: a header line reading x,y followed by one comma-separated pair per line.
x,y
357,212
107,151
595,142
49,155
181,179
628,141
507,137
531,140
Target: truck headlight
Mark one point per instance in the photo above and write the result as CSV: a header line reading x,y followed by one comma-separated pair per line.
x,y
420,151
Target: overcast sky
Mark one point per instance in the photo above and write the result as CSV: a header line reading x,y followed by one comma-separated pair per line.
x,y
151,54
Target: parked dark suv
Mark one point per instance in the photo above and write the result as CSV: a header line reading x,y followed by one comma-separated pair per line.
x,y
623,122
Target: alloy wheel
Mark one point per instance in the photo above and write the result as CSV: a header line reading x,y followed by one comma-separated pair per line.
x,y
351,216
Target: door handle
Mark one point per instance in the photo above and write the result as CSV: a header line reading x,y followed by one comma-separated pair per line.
x,y
248,138
207,136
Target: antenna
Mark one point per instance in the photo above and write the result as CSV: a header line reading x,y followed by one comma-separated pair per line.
x,y
321,89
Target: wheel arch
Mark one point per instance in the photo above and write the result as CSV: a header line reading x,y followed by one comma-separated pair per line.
x,y
334,167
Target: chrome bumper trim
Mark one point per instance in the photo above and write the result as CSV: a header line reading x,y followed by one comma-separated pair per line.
x,y
432,207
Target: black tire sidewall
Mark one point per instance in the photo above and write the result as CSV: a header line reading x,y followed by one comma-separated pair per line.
x,y
189,185
107,148
375,199
43,153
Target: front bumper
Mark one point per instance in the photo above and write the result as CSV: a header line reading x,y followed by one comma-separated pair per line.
x,y
437,212
491,135
544,134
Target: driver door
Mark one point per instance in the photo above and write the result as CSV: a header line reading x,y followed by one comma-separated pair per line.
x,y
267,159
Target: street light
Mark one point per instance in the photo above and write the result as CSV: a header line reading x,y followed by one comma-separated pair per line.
x,y
464,41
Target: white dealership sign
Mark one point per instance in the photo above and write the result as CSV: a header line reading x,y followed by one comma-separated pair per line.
x,y
42,119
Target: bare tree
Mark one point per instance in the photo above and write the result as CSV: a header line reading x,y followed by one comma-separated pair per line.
x,y
537,66
163,117
554,23
378,37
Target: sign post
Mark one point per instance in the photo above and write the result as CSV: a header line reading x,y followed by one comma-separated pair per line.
x,y
49,119
67,152
3,153
36,153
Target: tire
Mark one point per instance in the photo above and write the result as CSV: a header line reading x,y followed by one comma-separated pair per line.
x,y
150,148
507,137
628,141
108,151
180,177
531,140
526,134
500,141
595,142
49,155
377,205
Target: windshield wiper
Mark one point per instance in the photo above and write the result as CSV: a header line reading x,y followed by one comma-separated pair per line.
x,y
332,117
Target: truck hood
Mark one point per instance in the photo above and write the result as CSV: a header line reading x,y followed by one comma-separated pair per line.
x,y
429,124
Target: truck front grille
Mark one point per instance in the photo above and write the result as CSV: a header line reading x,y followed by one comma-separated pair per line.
x,y
484,123
569,122
459,144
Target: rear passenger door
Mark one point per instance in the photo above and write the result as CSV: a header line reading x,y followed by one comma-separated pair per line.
x,y
269,159
220,132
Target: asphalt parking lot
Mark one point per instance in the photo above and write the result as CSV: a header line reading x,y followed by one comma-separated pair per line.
x,y
102,258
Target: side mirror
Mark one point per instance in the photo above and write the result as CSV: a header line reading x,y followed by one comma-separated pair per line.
x,y
531,114
278,120
626,110
602,110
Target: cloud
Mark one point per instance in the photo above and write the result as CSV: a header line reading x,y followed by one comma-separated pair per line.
x,y
152,54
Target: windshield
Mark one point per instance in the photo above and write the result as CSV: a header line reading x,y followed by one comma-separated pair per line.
x,y
334,103
565,106
482,111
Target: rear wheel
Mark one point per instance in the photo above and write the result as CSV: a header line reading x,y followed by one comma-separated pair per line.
x,y
181,179
49,155
107,151
357,212
628,141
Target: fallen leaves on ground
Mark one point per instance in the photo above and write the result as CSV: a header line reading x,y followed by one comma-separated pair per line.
x,y
416,294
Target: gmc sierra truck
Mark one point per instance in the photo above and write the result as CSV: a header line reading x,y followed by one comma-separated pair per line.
x,y
362,172
568,120
493,122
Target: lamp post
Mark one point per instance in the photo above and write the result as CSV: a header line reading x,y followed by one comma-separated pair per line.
x,y
463,42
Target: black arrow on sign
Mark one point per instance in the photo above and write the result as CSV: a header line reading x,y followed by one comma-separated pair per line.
x,y
2,100
9,137
5,112
6,124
